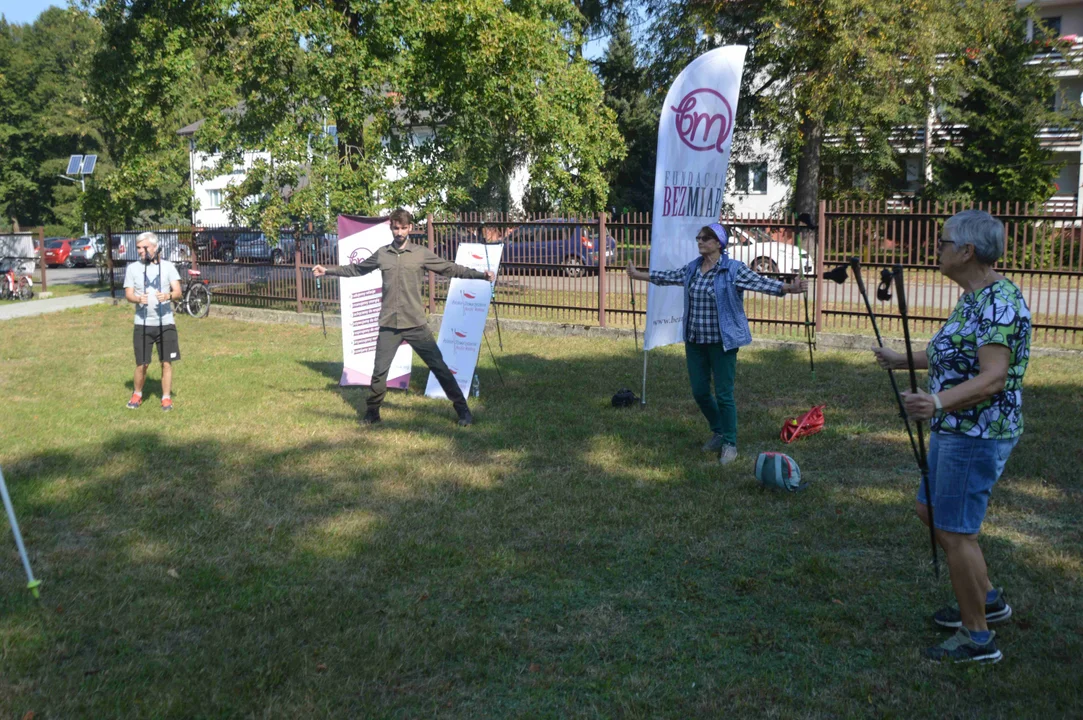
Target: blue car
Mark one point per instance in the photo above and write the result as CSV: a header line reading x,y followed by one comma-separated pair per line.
x,y
567,246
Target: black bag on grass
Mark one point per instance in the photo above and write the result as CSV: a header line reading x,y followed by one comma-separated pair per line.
x,y
624,398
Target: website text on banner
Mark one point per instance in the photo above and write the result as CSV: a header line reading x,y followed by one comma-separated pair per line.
x,y
465,312
361,297
695,132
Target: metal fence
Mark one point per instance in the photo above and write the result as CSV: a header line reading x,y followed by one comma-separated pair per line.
x,y
572,269
1043,255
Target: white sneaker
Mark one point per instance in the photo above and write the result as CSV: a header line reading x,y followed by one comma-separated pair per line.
x,y
729,454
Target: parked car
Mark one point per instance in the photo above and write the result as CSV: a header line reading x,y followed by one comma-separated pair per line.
x,y
218,243
118,248
172,244
567,245
254,247
58,252
756,248
85,249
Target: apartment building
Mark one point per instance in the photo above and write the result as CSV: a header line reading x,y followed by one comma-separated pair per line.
x,y
754,186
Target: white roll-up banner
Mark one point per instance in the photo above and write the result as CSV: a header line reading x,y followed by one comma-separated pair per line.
x,y
361,298
463,325
695,132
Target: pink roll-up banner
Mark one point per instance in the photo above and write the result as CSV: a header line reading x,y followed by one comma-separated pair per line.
x,y
463,325
358,238
695,132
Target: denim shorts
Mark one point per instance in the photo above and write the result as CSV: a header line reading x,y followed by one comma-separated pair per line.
x,y
962,472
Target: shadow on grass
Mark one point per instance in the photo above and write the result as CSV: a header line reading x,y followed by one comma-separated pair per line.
x,y
559,554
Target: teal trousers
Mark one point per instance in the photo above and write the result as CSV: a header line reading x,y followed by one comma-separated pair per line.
x,y
707,360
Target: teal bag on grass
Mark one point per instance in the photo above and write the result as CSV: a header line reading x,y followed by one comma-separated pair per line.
x,y
779,471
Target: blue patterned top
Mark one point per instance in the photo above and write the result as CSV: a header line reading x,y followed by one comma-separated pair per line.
x,y
994,315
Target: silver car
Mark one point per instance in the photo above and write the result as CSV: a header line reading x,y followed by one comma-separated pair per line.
x,y
85,249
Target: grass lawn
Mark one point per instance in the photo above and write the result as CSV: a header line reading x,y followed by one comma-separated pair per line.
x,y
256,553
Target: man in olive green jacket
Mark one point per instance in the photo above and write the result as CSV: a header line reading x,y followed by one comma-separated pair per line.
x,y
402,312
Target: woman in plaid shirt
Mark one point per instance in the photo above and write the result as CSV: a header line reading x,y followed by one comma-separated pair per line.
x,y
715,327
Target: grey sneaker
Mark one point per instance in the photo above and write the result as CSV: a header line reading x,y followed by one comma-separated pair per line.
x,y
996,612
961,648
714,444
728,455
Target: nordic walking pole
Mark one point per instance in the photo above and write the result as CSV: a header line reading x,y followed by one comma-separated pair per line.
x,y
492,303
32,584
923,463
496,313
319,293
804,218
855,264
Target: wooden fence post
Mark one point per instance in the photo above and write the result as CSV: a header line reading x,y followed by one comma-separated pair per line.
x,y
604,245
430,234
41,256
297,275
821,245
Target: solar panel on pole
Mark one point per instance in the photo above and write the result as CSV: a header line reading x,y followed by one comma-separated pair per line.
x,y
73,164
88,164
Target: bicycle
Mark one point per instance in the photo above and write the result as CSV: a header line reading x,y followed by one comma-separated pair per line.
x,y
15,285
195,296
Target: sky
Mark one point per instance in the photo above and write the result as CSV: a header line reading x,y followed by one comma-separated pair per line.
x,y
25,11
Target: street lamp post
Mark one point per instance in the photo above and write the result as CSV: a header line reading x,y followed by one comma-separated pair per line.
x,y
81,165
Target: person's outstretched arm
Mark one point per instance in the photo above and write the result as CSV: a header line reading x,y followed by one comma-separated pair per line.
x,y
658,277
748,279
354,270
440,266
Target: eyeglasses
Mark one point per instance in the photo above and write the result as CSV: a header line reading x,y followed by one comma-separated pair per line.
x,y
705,237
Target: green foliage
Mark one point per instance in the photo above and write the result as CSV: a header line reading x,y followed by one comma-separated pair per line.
x,y
44,117
453,95
992,151
627,88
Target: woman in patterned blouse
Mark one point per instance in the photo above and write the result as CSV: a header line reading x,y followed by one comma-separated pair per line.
x,y
715,327
976,364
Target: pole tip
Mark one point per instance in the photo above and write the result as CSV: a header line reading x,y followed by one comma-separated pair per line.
x,y
32,586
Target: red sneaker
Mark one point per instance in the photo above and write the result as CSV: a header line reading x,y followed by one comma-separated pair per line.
x,y
167,404
135,402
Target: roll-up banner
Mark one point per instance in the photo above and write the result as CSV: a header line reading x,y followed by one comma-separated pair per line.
x,y
463,325
695,132
360,237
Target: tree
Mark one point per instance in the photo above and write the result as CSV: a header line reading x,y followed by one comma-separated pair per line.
x,y
991,151
631,184
44,117
334,92
852,71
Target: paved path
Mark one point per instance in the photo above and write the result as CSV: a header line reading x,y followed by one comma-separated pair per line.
x,y
48,305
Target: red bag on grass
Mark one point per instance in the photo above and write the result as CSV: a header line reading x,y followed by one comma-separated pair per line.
x,y
810,423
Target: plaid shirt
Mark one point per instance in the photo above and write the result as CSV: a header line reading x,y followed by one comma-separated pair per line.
x,y
702,326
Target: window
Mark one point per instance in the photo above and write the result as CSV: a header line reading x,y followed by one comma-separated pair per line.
x,y
214,198
750,178
1052,24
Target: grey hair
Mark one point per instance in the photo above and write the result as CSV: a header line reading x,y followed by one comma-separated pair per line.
x,y
148,236
980,229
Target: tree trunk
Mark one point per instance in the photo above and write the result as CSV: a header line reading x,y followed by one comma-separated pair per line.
x,y
807,196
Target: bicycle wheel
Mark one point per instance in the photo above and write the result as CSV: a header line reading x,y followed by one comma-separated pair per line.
x,y
197,301
25,291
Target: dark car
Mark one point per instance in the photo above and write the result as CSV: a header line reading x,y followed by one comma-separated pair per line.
x,y
220,243
568,246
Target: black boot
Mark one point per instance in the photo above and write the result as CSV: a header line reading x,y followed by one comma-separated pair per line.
x,y
372,416
465,418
